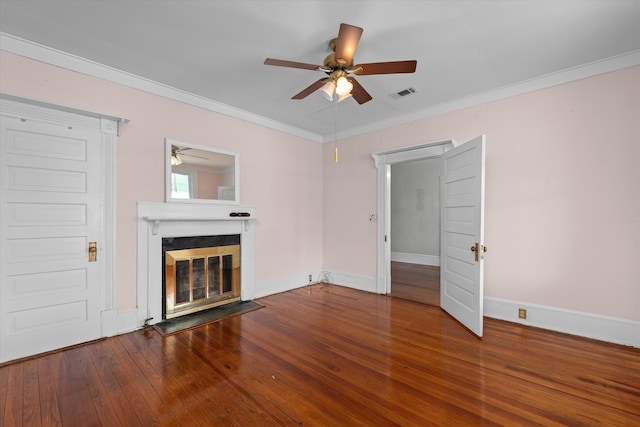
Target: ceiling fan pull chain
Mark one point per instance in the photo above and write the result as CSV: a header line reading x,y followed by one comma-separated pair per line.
x,y
335,134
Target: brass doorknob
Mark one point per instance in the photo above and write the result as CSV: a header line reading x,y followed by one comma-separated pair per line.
x,y
479,251
473,248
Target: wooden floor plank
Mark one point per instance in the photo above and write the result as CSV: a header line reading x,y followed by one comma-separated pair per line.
x,y
327,355
74,399
142,396
230,394
49,406
103,359
164,355
80,358
369,351
4,388
162,380
416,282
31,395
14,403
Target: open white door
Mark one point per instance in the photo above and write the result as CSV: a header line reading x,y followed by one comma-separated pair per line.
x,y
462,233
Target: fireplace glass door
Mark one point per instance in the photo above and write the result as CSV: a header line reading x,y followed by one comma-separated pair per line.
x,y
197,279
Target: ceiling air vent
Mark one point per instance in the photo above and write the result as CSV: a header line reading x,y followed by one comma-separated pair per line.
x,y
404,92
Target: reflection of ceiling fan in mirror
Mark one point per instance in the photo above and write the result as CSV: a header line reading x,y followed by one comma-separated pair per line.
x,y
339,66
177,153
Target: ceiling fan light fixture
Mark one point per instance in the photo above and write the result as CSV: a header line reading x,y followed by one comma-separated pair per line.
x,y
343,86
339,64
343,97
175,160
328,89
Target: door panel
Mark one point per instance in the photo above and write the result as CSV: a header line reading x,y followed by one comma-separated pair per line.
x,y
50,196
462,225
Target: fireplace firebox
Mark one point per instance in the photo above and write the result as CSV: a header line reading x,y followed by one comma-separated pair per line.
x,y
199,273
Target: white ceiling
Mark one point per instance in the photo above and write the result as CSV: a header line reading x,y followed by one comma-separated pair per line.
x,y
216,49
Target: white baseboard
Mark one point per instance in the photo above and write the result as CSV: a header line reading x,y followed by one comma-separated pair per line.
x,y
116,322
109,323
128,321
618,331
589,325
416,258
362,283
283,284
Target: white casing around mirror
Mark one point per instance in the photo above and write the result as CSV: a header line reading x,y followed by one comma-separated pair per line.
x,y
200,163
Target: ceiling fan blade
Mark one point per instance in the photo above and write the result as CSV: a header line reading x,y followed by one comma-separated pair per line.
x,y
394,67
359,94
290,64
348,38
309,90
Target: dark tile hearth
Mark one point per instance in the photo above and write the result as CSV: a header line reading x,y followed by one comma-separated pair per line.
x,y
189,321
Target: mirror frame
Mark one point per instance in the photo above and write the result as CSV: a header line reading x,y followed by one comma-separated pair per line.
x,y
167,184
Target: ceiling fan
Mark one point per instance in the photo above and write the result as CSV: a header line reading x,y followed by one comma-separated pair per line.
x,y
177,154
339,66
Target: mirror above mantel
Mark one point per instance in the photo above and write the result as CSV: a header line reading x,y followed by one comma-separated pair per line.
x,y
199,174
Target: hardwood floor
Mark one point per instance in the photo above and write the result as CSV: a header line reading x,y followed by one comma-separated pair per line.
x,y
329,356
415,282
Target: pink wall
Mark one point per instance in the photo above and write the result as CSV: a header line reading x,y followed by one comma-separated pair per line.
x,y
208,184
280,174
562,184
562,193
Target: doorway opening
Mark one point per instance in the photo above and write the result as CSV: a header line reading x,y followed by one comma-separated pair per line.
x,y
415,230
462,224
415,282
411,270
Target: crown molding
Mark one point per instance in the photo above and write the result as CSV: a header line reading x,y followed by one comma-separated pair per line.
x,y
48,55
78,64
591,69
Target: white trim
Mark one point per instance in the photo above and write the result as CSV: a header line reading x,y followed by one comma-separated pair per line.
x,y
354,281
109,323
591,69
108,125
127,320
109,173
38,52
283,284
589,325
116,322
414,152
416,258
383,162
170,143
48,55
158,220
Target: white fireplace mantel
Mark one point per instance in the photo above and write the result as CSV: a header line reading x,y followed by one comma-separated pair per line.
x,y
159,220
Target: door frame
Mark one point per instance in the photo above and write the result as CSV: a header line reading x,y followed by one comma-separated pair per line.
x,y
109,127
383,162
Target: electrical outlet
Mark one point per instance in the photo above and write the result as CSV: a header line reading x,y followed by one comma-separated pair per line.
x,y
522,313
310,278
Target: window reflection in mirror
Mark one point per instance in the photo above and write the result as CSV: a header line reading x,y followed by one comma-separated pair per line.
x,y
201,174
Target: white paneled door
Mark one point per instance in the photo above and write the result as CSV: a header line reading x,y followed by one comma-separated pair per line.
x,y
50,199
462,233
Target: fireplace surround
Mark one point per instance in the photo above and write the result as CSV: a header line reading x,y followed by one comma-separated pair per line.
x,y
158,221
